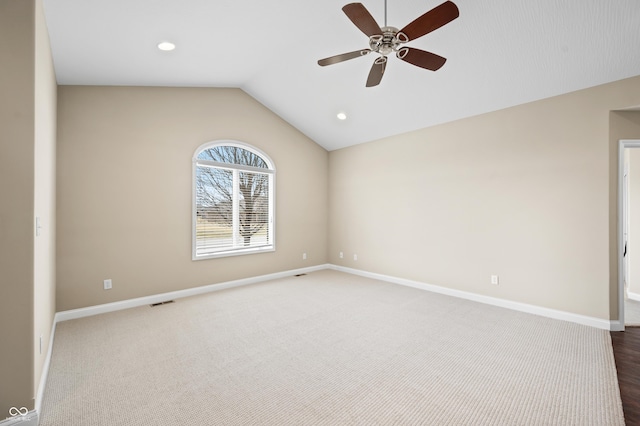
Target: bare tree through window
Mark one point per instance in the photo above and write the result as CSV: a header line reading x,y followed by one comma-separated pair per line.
x,y
232,199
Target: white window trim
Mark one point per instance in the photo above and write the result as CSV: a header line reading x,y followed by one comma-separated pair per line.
x,y
271,171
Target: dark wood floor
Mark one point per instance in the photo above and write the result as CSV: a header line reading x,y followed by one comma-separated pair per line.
x,y
626,349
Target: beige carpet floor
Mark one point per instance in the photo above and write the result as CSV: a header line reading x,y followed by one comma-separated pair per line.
x,y
329,348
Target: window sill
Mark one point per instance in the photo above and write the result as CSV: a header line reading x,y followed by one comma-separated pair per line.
x,y
235,252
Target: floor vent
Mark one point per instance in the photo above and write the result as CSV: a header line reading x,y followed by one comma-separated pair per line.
x,y
300,275
161,303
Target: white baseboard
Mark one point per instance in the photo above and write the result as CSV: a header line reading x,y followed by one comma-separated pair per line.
x,y
516,306
616,325
45,369
157,298
503,303
30,419
633,296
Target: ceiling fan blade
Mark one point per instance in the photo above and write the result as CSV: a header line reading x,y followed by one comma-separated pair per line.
x,y
420,58
343,57
377,71
361,17
430,21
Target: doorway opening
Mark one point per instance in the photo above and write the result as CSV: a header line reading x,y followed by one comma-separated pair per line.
x,y
628,215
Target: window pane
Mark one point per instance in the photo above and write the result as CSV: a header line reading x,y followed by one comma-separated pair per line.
x,y
254,208
233,155
214,210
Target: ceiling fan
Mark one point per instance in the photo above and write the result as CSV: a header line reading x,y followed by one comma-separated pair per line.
x,y
389,39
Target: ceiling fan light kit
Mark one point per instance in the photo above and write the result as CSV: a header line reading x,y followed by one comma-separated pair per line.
x,y
389,39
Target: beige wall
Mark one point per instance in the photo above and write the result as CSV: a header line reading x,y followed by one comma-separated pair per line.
x,y
523,193
16,207
44,195
124,190
26,141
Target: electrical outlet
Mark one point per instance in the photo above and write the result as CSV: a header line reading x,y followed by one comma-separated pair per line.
x,y
355,257
341,255
304,256
495,280
108,284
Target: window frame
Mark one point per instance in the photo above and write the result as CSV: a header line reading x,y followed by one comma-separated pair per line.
x,y
270,170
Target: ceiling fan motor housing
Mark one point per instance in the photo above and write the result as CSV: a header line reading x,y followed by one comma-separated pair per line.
x,y
386,42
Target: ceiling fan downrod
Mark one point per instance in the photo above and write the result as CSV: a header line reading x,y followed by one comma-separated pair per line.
x,y
385,13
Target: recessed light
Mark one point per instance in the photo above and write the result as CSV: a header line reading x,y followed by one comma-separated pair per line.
x,y
341,116
166,46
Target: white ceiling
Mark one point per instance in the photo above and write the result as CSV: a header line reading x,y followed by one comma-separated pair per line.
x,y
500,53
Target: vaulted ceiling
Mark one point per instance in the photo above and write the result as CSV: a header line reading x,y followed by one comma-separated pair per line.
x,y
500,53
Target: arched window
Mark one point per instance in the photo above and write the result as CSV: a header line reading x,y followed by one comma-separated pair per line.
x,y
233,197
